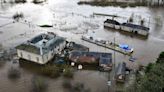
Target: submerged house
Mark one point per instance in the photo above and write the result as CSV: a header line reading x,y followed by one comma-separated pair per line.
x,y
128,27
137,29
121,72
112,24
103,60
41,48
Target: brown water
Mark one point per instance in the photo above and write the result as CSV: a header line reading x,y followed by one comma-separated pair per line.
x,y
72,21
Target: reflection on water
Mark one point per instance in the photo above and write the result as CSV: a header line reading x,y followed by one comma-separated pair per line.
x,y
71,21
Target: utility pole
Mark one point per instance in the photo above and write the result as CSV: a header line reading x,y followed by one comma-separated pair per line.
x,y
114,86
149,23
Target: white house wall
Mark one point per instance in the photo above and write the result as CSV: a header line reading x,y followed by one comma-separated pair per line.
x,y
143,32
109,25
42,58
128,29
30,56
117,27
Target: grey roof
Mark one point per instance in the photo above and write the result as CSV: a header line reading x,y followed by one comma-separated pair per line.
x,y
29,48
135,26
121,69
52,41
112,22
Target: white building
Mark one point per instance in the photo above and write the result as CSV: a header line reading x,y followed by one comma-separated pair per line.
x,y
137,29
41,48
128,27
112,24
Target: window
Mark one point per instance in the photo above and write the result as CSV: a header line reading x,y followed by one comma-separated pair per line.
x,y
37,59
29,57
21,54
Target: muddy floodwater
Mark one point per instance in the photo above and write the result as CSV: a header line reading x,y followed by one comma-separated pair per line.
x,y
72,21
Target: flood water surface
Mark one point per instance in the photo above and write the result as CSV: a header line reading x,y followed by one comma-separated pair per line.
x,y
72,21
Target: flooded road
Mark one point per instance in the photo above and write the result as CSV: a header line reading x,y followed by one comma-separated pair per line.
x,y
72,21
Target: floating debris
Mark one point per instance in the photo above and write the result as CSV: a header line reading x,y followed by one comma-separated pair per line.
x,y
46,25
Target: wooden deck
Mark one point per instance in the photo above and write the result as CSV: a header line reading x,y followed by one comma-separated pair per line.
x,y
109,46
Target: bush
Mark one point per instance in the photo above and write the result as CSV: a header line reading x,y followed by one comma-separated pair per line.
x,y
39,84
51,70
13,73
152,81
68,72
18,16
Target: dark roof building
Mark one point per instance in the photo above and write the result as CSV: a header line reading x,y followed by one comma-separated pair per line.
x,y
120,72
103,59
112,22
135,26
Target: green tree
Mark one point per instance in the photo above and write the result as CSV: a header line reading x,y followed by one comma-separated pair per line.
x,y
153,80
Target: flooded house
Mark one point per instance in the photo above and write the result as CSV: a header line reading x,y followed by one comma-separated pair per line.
x,y
102,60
127,27
109,23
105,61
133,28
121,72
41,48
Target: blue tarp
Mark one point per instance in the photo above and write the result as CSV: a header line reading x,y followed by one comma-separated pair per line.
x,y
124,46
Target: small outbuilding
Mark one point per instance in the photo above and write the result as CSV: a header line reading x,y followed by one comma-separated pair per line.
x,y
121,72
102,60
112,24
136,29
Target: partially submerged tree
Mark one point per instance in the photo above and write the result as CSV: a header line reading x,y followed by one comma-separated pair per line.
x,y
17,16
153,80
13,73
39,84
68,72
131,17
51,71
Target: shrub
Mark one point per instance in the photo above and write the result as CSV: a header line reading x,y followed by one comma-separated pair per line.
x,y
39,84
51,70
68,72
18,16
